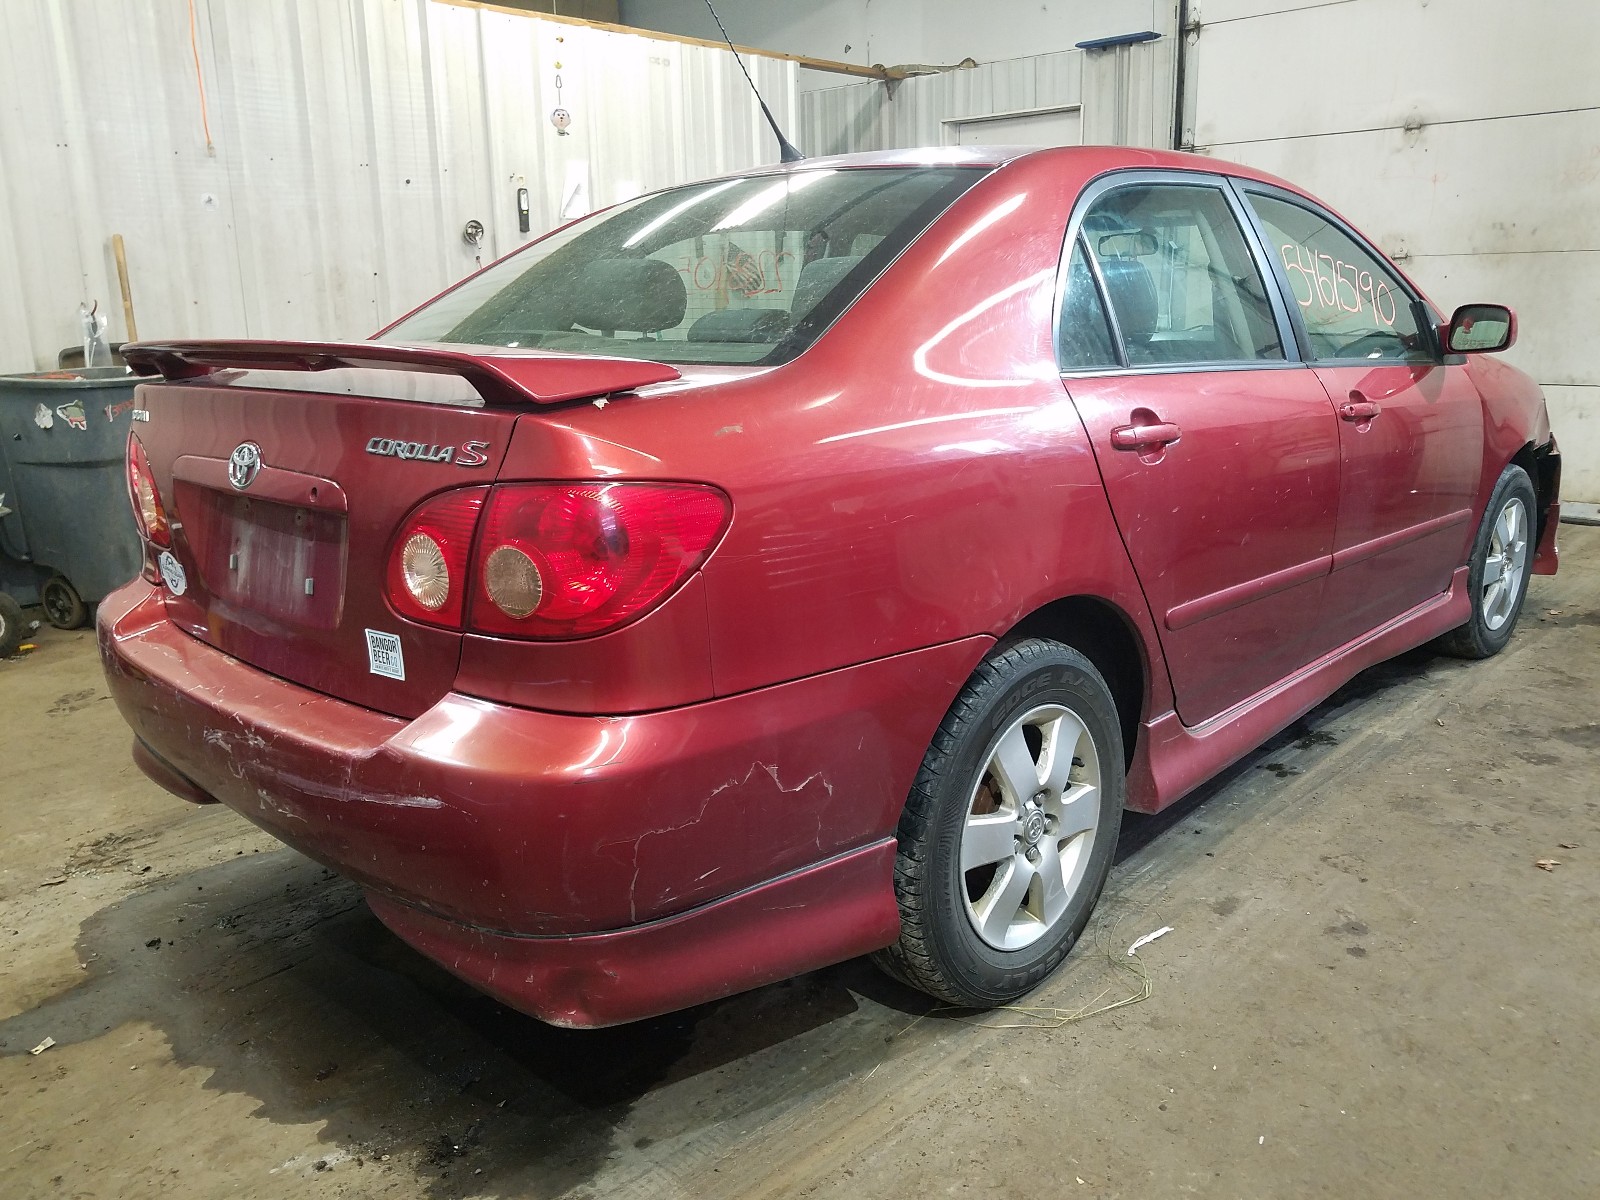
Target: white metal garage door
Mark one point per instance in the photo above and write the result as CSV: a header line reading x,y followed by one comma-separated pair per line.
x,y
1464,137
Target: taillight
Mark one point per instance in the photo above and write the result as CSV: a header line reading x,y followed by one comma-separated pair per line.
x,y
569,560
147,508
427,571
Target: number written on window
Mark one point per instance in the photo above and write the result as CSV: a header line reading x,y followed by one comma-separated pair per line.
x,y
1321,280
1351,304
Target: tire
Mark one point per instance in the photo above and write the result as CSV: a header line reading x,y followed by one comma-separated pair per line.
x,y
63,607
1497,579
12,627
987,932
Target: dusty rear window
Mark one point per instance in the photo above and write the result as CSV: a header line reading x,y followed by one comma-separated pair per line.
x,y
745,270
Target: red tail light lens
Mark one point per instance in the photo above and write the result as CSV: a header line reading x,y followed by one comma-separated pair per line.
x,y
569,560
147,507
426,576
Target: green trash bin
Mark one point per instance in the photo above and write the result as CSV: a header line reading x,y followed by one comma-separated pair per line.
x,y
69,537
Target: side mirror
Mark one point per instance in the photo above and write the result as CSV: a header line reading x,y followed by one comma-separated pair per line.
x,y
1481,329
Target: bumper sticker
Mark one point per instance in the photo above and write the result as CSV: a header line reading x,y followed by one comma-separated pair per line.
x,y
172,573
384,656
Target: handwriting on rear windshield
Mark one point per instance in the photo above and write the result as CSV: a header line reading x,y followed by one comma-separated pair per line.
x,y
737,270
1323,282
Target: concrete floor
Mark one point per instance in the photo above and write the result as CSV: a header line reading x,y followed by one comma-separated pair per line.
x,y
1370,990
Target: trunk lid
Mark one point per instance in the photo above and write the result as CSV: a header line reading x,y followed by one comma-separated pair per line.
x,y
287,469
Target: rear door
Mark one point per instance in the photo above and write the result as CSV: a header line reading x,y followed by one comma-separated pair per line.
x,y
1410,424
1219,452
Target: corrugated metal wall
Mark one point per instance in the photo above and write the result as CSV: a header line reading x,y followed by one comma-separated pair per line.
x,y
1125,94
351,142
1463,137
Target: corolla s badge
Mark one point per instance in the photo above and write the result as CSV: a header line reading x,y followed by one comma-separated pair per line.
x,y
468,454
244,464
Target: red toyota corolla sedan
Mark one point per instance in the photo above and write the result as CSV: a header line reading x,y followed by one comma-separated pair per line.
x,y
813,562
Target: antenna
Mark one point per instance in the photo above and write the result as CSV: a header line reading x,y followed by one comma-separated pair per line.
x,y
786,152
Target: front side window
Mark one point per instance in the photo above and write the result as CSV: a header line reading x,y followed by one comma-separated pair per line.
x,y
1352,305
1180,279
747,270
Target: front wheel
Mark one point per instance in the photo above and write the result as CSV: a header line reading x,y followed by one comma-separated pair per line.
x,y
1009,832
1497,577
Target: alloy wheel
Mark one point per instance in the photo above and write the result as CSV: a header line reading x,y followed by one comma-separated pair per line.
x,y
1030,827
1505,564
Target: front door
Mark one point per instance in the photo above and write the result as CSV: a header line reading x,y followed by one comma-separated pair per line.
x,y
1410,425
1220,456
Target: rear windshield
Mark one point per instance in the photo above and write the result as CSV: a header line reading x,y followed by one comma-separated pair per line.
x,y
738,271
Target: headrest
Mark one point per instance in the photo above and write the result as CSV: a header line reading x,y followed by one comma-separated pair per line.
x,y
642,295
741,325
818,278
1133,296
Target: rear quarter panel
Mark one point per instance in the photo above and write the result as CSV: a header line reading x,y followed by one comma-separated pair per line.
x,y
918,476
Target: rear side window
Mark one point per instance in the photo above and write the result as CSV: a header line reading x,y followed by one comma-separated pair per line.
x,y
1181,281
1084,339
747,270
1352,305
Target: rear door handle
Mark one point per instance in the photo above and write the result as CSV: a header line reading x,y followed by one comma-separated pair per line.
x,y
1356,409
1144,437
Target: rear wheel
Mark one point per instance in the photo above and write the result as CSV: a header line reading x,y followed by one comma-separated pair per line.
x,y
1497,578
63,607
12,628
1009,832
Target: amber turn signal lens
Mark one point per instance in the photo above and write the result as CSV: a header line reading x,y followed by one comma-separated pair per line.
x,y
426,574
513,582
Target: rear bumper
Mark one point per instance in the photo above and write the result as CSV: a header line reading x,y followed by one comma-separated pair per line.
x,y
816,916
658,848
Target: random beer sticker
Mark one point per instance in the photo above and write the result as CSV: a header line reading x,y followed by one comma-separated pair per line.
x,y
384,656
172,573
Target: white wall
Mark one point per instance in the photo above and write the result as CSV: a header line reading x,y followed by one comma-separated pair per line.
x,y
351,141
1123,95
901,31
1464,137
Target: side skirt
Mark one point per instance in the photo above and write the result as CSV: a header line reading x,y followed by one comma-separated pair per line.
x,y
1172,758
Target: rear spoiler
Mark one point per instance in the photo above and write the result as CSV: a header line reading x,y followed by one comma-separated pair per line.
x,y
500,378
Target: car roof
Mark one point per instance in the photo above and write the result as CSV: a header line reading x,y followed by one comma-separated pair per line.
x,y
1087,161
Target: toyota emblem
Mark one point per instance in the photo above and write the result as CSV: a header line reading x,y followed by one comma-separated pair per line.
x,y
244,464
